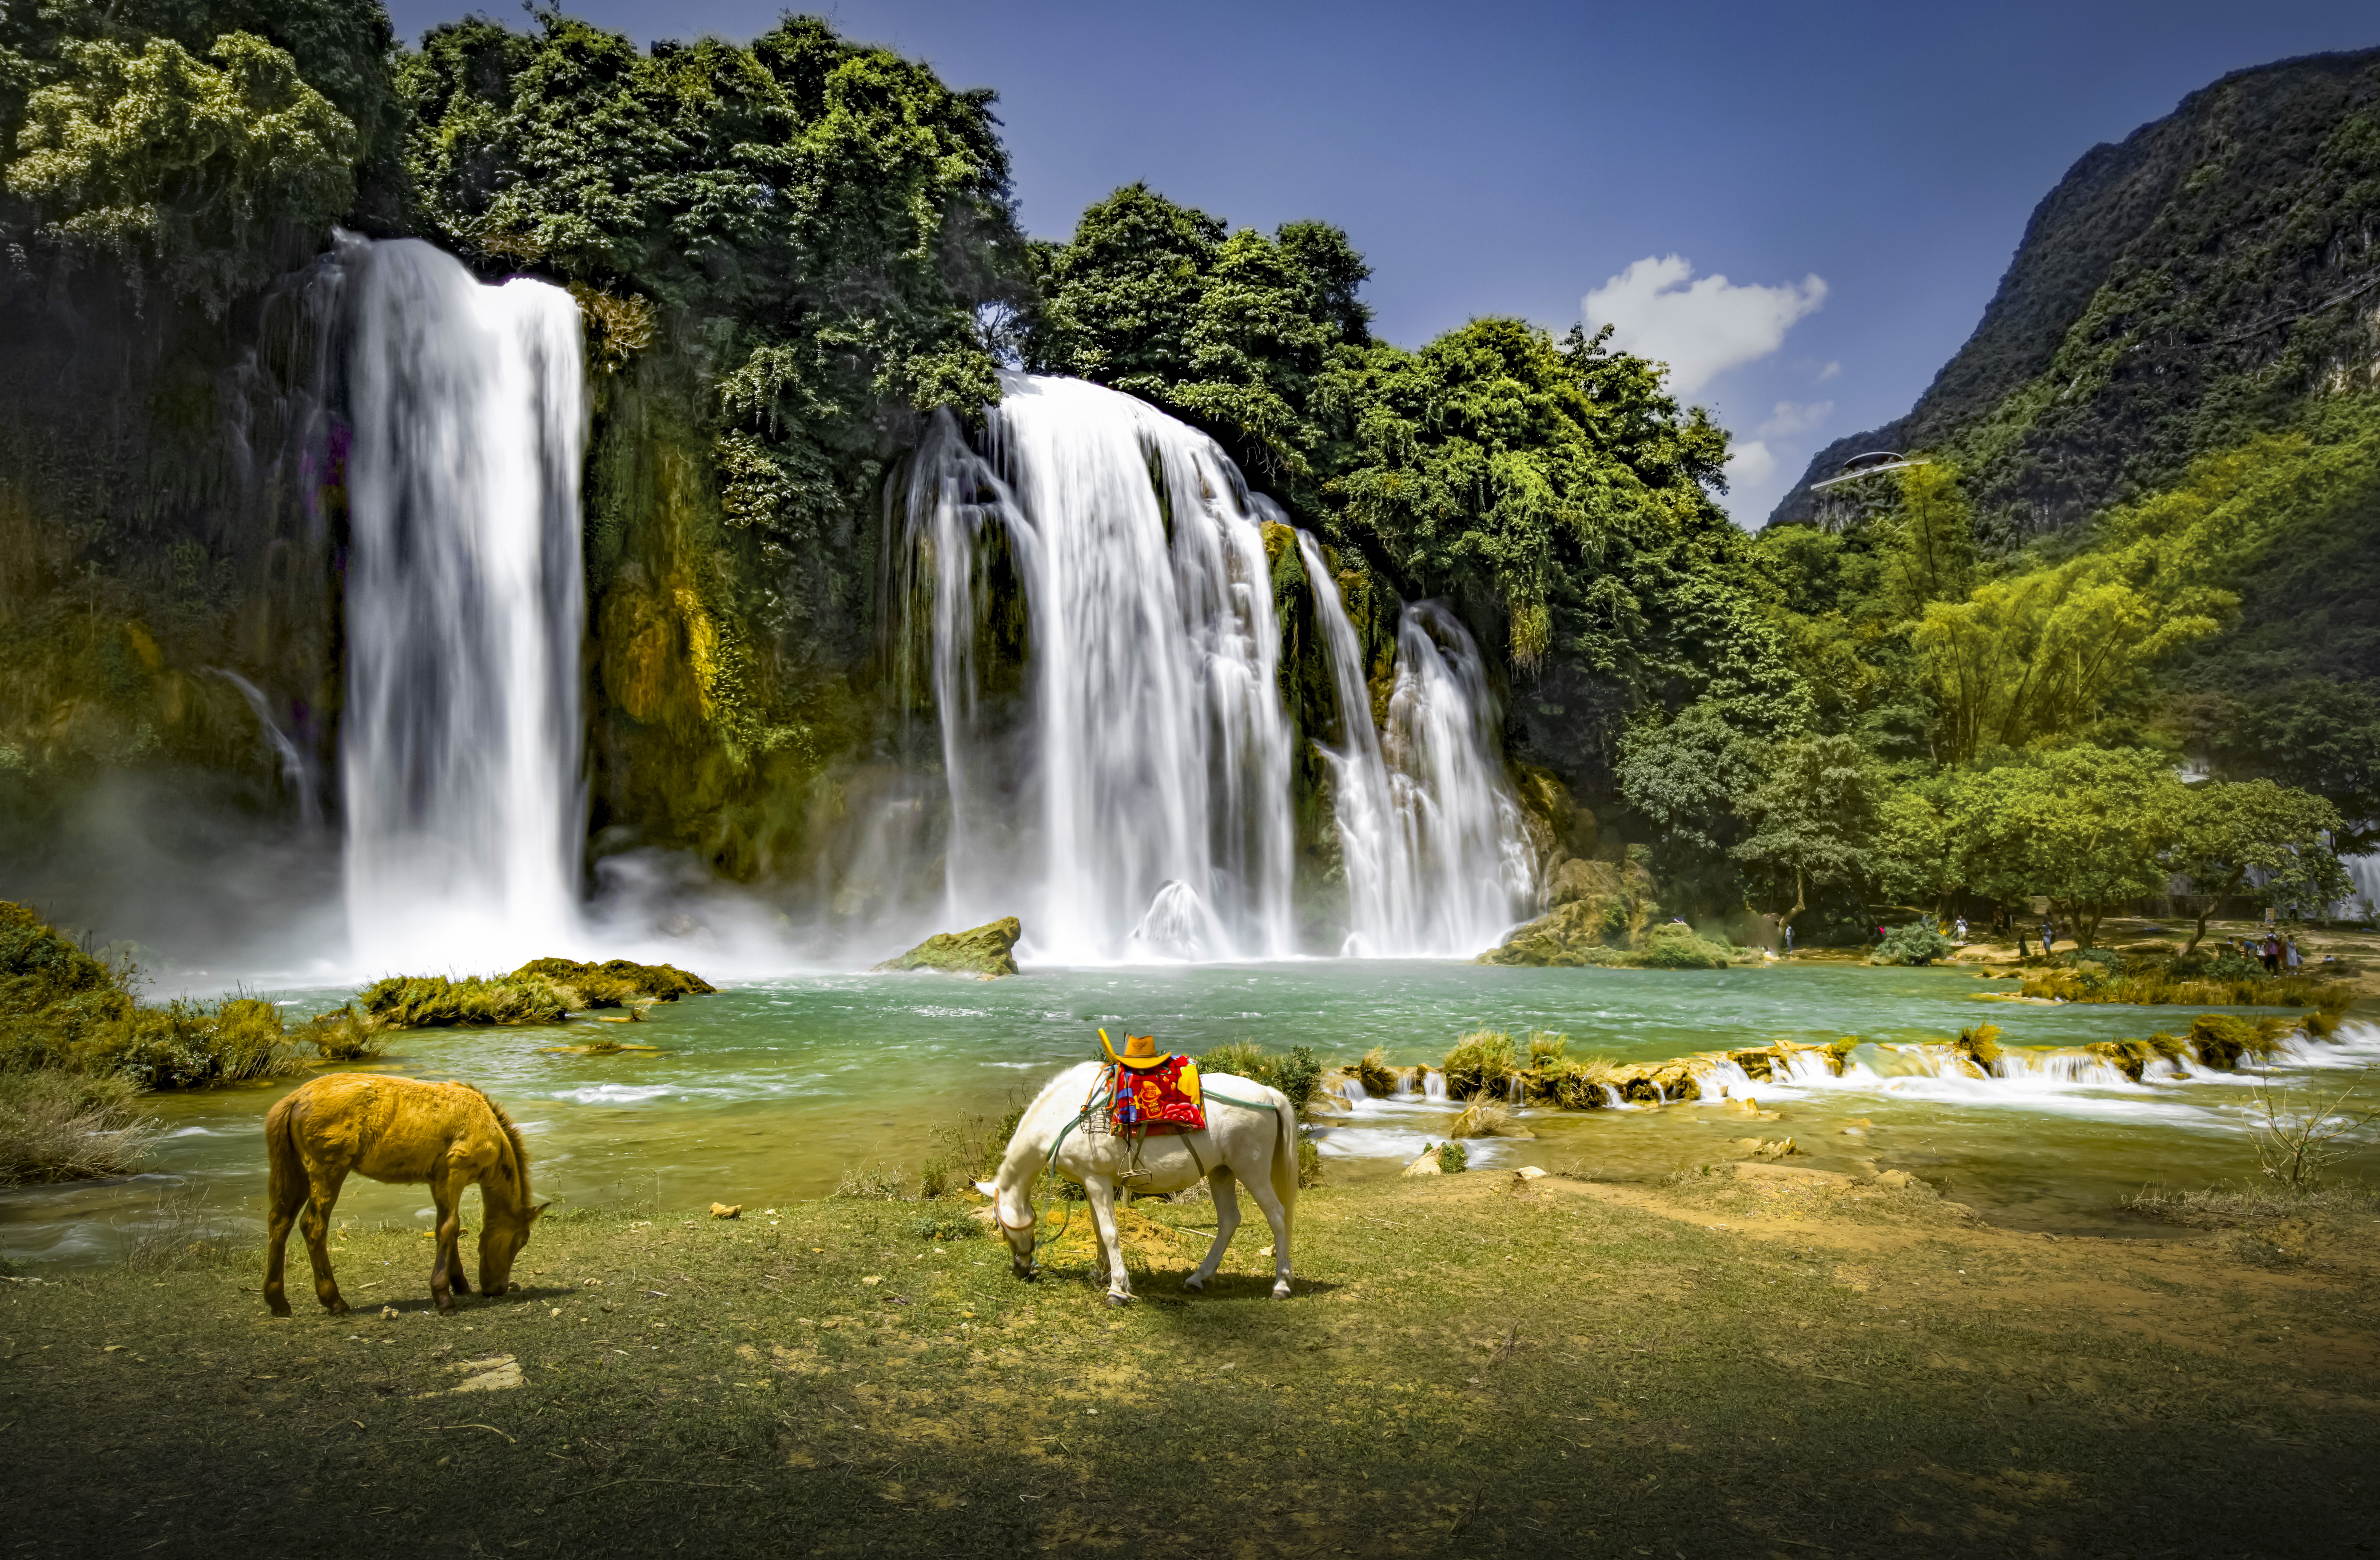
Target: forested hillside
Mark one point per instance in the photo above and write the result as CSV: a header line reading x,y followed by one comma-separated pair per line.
x,y
2142,534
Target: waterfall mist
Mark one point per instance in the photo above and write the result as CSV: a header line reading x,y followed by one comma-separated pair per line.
x,y
460,742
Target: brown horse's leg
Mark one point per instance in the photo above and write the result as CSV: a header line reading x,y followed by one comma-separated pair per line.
x,y
322,1195
448,1265
288,1196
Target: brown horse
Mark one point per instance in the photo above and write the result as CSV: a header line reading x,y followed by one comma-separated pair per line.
x,y
399,1130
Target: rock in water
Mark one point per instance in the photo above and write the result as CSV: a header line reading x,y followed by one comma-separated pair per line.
x,y
986,953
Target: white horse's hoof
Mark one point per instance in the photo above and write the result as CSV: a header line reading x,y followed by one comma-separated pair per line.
x,y
1195,1285
1280,1291
1116,1299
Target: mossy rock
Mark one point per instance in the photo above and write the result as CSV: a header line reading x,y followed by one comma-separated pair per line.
x,y
987,952
617,982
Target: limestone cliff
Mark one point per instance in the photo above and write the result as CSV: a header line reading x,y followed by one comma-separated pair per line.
x,y
2200,282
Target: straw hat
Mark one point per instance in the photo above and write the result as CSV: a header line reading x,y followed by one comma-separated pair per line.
x,y
1139,1050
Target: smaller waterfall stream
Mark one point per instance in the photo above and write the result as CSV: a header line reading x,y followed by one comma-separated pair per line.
x,y
460,740
1436,859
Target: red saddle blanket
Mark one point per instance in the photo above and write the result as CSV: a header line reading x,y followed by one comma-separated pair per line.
x,y
1158,1100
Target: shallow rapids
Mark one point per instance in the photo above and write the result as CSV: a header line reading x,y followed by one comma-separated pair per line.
x,y
772,1089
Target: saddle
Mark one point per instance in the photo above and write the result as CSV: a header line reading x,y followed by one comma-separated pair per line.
x,y
1149,1094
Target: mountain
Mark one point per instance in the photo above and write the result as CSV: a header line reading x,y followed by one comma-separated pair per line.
x,y
2204,280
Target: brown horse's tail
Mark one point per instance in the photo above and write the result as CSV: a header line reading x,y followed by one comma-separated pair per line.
x,y
285,1184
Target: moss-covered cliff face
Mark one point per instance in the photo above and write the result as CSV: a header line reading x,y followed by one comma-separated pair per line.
x,y
169,486
781,251
2199,283
791,277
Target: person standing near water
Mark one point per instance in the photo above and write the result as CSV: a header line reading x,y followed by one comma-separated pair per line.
x,y
2290,952
1959,931
1789,939
2021,952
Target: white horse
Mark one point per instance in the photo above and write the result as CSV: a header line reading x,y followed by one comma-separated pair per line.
x,y
1253,1141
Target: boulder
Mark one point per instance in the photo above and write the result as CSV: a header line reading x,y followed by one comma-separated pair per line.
x,y
1426,1164
987,953
1599,908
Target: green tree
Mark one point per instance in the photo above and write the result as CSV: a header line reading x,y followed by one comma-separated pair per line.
x,y
2088,827
203,176
2231,834
1813,818
2319,735
816,224
1226,330
1919,858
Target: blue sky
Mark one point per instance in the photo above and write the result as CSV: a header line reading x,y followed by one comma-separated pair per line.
x,y
1870,166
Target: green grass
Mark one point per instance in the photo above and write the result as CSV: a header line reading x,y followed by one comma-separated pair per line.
x,y
1465,1370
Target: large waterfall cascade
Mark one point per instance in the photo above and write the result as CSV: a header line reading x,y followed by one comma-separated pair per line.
x,y
461,741
1143,807
1138,803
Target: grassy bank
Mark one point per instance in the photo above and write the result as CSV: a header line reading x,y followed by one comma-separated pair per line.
x,y
1471,1366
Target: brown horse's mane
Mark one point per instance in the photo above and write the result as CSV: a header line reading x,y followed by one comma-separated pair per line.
x,y
512,1136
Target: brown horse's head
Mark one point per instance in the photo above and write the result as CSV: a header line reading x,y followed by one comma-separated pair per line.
x,y
501,1239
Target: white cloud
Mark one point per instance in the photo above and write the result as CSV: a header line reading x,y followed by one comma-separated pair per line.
x,y
1750,465
1794,417
1827,373
1701,328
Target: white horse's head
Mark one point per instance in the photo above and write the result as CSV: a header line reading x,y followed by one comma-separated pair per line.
x,y
1014,1211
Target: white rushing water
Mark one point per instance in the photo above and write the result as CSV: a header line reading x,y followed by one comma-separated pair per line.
x,y
1129,797
464,807
1137,805
1436,859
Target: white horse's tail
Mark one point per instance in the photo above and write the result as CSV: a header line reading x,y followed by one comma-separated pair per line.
x,y
1284,1153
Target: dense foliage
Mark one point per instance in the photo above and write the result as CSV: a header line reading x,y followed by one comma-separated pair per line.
x,y
2143,535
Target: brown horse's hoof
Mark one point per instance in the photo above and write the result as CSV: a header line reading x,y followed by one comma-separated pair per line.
x,y
278,1308
336,1307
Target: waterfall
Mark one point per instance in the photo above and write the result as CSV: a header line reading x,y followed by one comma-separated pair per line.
x,y
460,739
1436,859
1118,770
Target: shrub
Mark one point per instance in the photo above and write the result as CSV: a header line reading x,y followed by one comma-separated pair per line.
x,y
1980,1045
1673,946
343,1036
1575,1085
59,1125
1546,1048
432,1002
945,1227
1375,1074
186,1045
1480,1118
1310,1164
1294,1075
1453,1158
1481,1061
974,1145
878,1182
1917,943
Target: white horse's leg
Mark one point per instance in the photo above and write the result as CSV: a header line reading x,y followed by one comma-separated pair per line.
x,y
1103,1216
1227,1219
1277,1216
